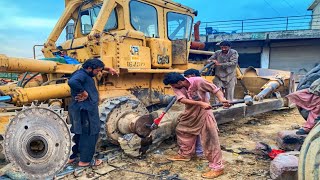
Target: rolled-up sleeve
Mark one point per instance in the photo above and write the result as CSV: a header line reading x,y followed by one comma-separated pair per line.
x,y
207,86
179,94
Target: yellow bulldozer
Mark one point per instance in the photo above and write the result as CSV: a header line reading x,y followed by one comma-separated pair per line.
x,y
143,40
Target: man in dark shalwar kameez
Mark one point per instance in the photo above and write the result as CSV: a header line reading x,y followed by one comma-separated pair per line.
x,y
83,111
197,120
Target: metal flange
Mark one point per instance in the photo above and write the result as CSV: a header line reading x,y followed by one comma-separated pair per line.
x,y
38,141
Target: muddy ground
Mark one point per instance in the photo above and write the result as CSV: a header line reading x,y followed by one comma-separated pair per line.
x,y
238,139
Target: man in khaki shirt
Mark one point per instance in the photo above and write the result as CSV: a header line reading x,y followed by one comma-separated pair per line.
x,y
226,61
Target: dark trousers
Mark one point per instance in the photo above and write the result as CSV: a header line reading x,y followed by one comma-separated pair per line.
x,y
85,145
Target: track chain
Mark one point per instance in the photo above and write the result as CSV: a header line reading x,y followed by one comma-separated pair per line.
x,y
109,106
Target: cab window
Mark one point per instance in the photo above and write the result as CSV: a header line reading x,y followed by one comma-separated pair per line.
x,y
178,26
89,17
143,17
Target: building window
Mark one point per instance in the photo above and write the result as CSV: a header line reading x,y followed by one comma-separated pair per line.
x,y
89,17
144,18
179,26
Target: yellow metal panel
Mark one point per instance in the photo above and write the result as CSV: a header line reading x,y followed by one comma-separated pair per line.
x,y
180,52
161,52
134,56
154,71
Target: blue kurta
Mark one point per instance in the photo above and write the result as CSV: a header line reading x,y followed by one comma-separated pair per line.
x,y
81,81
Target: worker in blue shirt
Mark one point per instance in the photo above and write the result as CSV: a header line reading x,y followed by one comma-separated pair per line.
x,y
63,54
83,111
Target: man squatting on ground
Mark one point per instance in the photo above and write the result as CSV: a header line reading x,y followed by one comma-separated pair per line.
x,y
226,62
197,120
83,112
308,99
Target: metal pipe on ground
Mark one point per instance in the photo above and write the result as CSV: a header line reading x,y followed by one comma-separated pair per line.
x,y
268,88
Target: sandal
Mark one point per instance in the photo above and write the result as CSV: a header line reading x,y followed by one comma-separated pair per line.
x,y
71,161
302,131
93,163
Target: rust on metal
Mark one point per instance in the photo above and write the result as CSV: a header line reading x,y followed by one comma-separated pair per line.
x,y
141,126
179,52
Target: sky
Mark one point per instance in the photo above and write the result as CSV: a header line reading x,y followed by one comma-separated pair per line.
x,y
25,23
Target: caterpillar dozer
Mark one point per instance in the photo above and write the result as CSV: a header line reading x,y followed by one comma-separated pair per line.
x,y
143,40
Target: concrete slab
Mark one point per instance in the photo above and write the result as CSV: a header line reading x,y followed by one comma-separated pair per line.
x,y
239,111
105,169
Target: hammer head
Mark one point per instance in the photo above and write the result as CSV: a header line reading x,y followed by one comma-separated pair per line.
x,y
248,100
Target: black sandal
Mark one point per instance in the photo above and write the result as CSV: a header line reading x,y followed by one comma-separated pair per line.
x,y
302,131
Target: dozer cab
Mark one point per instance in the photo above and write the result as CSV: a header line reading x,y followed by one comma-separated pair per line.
x,y
143,40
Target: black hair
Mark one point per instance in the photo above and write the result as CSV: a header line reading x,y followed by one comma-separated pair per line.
x,y
173,78
225,43
93,64
59,48
191,72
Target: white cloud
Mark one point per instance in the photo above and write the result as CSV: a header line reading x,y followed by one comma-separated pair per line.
x,y
13,17
20,46
19,32
26,23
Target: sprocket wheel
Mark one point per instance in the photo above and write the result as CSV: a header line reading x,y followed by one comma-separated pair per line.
x,y
110,113
38,141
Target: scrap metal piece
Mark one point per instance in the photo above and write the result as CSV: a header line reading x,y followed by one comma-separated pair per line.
x,y
38,142
269,87
140,127
134,145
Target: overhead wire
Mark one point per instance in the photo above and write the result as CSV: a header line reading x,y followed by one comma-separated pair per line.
x,y
271,7
291,6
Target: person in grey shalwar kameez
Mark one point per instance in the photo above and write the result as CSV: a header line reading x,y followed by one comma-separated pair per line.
x,y
226,61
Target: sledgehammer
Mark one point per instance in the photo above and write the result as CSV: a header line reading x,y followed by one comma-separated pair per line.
x,y
248,100
157,121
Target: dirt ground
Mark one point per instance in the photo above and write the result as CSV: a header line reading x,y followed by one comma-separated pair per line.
x,y
238,139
